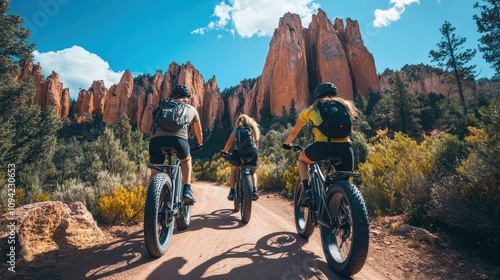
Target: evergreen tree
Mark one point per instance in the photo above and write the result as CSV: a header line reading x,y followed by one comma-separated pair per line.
x,y
29,137
404,116
488,23
453,59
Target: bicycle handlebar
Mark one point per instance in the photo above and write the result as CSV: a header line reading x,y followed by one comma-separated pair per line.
x,y
292,147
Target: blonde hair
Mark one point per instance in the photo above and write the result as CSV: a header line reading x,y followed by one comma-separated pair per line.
x,y
351,107
245,120
182,99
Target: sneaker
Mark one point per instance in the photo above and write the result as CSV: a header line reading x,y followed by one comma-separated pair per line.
x,y
255,195
188,195
230,196
306,198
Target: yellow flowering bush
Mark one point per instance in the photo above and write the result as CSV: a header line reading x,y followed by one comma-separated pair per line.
x,y
122,206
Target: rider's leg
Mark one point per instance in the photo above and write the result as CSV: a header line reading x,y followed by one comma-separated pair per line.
x,y
186,168
232,182
153,173
304,177
255,194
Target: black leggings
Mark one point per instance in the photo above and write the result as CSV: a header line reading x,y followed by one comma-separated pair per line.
x,y
180,144
321,150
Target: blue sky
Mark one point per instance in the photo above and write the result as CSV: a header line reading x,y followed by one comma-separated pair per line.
x,y
97,40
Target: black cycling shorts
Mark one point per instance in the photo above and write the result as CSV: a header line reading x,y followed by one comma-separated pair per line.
x,y
235,158
318,151
180,144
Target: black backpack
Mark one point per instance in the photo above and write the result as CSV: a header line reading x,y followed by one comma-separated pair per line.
x,y
337,122
171,115
244,139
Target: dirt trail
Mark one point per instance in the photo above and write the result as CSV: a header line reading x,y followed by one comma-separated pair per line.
x,y
218,246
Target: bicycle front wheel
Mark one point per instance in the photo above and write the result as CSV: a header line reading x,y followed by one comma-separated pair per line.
x,y
158,221
303,220
345,241
246,199
184,218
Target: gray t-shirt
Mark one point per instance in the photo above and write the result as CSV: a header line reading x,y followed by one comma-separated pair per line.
x,y
192,116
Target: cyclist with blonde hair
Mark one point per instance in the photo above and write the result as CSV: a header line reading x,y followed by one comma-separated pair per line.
x,y
246,135
323,145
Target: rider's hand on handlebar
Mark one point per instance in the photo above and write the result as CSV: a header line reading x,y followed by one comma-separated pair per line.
x,y
286,146
224,154
197,147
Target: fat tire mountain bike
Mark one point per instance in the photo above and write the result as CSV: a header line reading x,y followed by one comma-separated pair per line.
x,y
339,208
243,189
165,205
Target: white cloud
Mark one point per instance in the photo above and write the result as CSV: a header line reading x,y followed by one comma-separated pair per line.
x,y
77,68
385,17
256,17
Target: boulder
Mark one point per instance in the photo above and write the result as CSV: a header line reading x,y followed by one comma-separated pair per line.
x,y
48,226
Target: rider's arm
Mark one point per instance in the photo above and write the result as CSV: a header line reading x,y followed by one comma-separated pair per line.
x,y
230,141
198,132
296,129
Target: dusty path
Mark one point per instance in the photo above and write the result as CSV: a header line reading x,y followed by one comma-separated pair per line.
x,y
218,246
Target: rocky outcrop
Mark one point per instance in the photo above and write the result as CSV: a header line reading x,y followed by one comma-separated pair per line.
x,y
301,58
138,98
48,92
421,79
47,226
119,100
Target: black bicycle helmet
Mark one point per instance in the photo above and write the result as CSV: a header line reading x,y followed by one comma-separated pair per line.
x,y
180,91
325,89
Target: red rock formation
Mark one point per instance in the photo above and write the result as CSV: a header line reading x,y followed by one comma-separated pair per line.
x,y
119,100
139,99
285,72
421,79
327,59
362,63
48,92
299,59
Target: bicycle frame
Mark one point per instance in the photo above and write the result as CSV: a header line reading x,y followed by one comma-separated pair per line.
x,y
174,172
318,181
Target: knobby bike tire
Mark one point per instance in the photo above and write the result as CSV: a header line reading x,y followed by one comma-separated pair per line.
x,y
157,234
237,195
246,200
183,220
303,221
355,255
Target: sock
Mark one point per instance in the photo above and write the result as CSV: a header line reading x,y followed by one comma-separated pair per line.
x,y
306,184
187,185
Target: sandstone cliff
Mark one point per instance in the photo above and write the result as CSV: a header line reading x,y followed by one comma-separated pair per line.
x,y
139,97
48,92
301,58
421,79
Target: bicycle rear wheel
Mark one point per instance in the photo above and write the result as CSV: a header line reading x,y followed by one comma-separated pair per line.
x,y
303,220
184,218
345,242
246,199
158,221
237,194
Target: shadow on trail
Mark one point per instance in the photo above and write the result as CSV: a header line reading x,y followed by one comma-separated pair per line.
x,y
125,253
219,219
274,256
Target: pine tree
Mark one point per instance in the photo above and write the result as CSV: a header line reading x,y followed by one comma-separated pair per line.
x,y
404,115
488,23
453,59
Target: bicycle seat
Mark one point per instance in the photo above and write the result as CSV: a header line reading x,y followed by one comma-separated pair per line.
x,y
334,160
245,159
165,150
